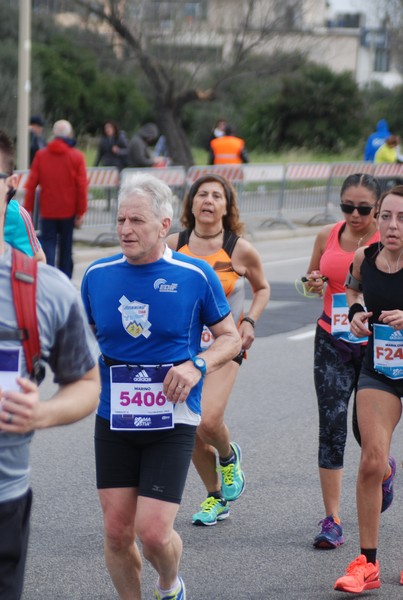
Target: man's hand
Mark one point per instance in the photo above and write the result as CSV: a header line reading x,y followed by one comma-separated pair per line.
x,y
20,410
180,380
78,221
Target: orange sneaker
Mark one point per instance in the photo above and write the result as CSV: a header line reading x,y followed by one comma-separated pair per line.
x,y
401,578
360,576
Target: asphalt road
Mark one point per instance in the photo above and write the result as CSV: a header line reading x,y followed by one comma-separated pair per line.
x,y
264,550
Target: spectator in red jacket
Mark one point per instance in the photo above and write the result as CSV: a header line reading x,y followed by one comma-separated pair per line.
x,y
60,171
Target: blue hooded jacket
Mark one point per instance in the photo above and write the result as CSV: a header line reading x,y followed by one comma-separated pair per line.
x,y
376,139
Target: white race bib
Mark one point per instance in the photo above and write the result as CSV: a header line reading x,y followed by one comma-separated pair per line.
x,y
137,400
388,351
207,338
10,368
340,323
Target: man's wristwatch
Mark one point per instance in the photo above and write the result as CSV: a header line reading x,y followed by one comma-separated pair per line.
x,y
200,364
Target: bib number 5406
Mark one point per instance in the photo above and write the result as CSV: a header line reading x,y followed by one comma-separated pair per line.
x,y
140,398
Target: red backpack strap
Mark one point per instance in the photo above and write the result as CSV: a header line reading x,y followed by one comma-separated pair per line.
x,y
23,284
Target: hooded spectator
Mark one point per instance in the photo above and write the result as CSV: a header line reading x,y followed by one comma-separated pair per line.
x,y
376,139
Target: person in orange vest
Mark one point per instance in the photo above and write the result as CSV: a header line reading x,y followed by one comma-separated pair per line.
x,y
228,149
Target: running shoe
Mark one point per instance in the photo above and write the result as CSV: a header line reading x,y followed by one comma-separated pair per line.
x,y
213,510
360,576
232,477
387,486
401,578
331,534
178,594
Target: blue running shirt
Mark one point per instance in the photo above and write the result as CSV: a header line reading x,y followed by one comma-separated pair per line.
x,y
151,314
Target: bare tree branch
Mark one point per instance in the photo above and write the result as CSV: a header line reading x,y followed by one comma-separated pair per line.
x,y
175,54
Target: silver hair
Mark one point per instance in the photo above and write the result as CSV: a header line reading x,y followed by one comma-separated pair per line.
x,y
62,128
148,186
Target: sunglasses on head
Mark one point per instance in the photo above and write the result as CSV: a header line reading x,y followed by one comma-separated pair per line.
x,y
350,208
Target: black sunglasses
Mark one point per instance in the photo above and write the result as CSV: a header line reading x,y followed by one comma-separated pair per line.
x,y
4,175
350,208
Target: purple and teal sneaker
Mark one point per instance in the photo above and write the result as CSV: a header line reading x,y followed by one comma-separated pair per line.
x,y
331,535
387,486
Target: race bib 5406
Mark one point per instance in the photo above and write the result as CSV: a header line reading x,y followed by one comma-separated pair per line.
x,y
137,399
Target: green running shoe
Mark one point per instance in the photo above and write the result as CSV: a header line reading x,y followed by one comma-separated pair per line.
x,y
213,510
233,479
178,594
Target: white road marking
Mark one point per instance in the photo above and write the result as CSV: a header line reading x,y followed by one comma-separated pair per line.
x,y
302,336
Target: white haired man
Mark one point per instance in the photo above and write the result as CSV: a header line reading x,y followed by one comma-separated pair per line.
x,y
148,306
60,171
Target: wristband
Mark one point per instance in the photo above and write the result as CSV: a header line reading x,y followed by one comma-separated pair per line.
x,y
249,320
355,308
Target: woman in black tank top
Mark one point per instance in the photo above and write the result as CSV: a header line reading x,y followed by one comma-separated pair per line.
x,y
377,312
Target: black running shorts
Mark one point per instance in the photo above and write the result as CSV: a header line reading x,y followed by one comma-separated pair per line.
x,y
155,462
377,381
14,533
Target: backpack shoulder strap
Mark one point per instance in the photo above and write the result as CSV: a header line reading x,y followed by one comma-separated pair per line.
x,y
23,285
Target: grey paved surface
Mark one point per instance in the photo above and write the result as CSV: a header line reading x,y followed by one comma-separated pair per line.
x,y
264,550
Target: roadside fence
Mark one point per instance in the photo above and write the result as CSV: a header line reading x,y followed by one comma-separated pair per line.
x,y
268,194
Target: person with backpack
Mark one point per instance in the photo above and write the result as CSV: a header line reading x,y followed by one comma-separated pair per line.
x,y
35,325
20,233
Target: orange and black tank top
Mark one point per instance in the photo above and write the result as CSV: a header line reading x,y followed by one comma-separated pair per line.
x,y
232,282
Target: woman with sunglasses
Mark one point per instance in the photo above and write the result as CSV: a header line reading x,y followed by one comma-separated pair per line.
x,y
338,354
376,310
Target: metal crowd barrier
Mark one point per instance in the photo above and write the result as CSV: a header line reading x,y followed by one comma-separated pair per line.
x,y
268,194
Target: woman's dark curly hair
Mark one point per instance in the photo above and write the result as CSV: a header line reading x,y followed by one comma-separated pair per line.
x,y
230,221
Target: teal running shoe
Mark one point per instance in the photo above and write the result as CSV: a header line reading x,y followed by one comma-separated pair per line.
x,y
179,593
233,479
213,510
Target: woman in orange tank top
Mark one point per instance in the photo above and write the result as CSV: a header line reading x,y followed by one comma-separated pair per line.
x,y
211,218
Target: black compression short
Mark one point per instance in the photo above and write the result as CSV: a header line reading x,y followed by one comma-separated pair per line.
x,y
155,462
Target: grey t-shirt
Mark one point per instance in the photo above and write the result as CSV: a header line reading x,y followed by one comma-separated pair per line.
x,y
67,344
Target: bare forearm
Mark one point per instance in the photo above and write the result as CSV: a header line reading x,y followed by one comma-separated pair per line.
x,y
70,403
222,351
259,303
22,411
353,297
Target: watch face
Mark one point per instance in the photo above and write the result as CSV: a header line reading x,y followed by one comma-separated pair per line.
x,y
200,364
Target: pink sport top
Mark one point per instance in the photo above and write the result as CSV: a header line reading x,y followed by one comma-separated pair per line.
x,y
334,264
